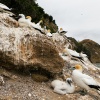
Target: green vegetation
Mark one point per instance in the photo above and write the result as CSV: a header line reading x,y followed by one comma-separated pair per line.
x,y
31,8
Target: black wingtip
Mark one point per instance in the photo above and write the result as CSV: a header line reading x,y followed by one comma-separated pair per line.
x,y
97,87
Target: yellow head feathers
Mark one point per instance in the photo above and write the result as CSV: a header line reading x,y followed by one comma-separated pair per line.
x,y
61,28
78,67
49,30
41,21
29,17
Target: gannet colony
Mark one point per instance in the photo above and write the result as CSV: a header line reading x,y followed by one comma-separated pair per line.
x,y
84,71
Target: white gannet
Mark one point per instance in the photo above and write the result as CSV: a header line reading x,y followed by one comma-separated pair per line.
x,y
62,87
38,26
84,81
23,22
48,33
61,31
4,7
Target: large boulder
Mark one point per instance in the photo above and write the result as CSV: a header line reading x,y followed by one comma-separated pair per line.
x,y
27,50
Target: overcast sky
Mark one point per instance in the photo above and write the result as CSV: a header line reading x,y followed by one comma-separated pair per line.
x,y
81,18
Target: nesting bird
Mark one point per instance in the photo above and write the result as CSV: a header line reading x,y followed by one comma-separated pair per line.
x,y
62,32
23,22
38,26
62,87
84,81
4,7
48,33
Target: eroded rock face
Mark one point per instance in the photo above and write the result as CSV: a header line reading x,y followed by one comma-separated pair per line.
x,y
26,49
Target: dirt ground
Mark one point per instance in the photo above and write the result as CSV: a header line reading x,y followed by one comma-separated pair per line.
x,y
23,87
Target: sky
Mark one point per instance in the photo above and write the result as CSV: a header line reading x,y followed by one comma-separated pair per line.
x,y
81,18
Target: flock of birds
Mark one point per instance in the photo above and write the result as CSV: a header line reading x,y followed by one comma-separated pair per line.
x,y
26,22
82,80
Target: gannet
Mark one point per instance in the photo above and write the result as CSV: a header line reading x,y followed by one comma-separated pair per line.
x,y
62,87
24,22
4,7
84,81
62,32
48,33
38,26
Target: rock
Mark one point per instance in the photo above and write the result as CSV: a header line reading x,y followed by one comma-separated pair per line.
x,y
27,50
1,81
93,49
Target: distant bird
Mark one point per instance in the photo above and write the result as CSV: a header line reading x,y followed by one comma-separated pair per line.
x,y
48,33
38,26
62,87
23,22
4,7
62,32
84,81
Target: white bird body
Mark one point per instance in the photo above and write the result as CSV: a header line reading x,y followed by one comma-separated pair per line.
x,y
74,53
84,81
23,22
48,33
4,6
61,31
62,87
38,26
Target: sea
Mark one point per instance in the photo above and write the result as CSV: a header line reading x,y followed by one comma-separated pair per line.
x,y
97,64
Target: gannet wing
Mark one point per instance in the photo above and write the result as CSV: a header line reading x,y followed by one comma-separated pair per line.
x,y
90,82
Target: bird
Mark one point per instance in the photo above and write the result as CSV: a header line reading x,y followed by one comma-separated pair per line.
x,y
48,33
84,81
61,31
4,7
24,22
62,87
38,26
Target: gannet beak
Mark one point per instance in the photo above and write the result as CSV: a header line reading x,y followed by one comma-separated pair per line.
x,y
72,68
69,82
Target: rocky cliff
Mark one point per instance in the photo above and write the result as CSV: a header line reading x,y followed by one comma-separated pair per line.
x,y
30,60
27,50
89,47
31,8
93,49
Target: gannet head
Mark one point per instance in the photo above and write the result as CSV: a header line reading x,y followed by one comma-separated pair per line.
x,y
61,29
78,67
41,21
49,30
69,81
22,15
29,17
